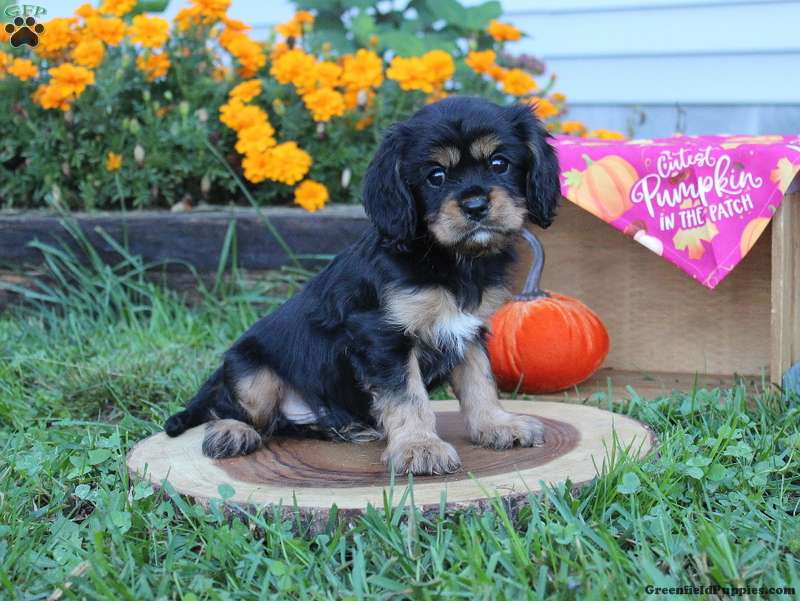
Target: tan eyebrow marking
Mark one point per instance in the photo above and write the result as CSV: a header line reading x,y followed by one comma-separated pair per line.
x,y
483,147
446,156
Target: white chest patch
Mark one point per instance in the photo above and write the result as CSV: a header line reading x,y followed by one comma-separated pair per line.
x,y
433,316
296,410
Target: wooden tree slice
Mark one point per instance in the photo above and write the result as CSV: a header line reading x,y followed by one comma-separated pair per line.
x,y
316,475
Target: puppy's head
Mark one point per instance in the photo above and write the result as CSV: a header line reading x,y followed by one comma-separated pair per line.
x,y
465,173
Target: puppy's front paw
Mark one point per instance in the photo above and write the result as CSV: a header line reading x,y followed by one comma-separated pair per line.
x,y
427,455
502,430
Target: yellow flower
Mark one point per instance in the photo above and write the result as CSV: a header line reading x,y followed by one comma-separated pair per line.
x,y
503,32
363,69
292,66
606,134
354,97
544,108
59,35
70,79
327,74
23,69
255,138
518,82
113,161
50,96
117,7
150,32
237,115
574,128
294,27
246,91
303,16
153,65
437,95
111,30
89,53
187,17
410,73
363,123
5,60
440,66
248,53
285,163
212,10
324,104
481,61
558,97
311,195
86,10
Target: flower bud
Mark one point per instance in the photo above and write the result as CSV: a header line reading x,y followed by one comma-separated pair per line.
x,y
138,154
146,95
347,173
362,97
205,184
202,115
134,126
183,108
168,95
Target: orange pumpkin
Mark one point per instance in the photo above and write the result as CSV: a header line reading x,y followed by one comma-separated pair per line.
x,y
604,187
752,231
544,342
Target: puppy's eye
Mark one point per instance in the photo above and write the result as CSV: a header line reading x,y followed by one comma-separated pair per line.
x,y
436,177
499,164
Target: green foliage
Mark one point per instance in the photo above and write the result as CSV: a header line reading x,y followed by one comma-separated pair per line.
x,y
405,28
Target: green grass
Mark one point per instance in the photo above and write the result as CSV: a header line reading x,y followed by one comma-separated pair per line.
x,y
102,356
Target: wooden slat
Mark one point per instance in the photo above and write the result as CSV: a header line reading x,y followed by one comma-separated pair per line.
x,y
785,322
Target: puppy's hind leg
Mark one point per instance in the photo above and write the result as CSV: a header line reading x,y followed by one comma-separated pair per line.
x,y
253,401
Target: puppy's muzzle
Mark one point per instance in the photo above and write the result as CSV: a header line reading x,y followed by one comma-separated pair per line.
x,y
475,207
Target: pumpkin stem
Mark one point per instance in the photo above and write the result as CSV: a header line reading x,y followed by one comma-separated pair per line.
x,y
531,288
587,159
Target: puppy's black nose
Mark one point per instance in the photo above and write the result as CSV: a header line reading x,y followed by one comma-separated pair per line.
x,y
476,207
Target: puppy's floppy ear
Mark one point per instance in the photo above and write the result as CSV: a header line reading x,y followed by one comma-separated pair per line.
x,y
388,200
543,187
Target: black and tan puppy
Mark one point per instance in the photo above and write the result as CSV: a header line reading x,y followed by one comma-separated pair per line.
x,y
402,310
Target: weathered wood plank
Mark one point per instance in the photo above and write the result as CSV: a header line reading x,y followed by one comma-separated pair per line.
x,y
785,312
196,237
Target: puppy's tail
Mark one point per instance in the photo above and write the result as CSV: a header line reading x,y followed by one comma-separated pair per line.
x,y
198,411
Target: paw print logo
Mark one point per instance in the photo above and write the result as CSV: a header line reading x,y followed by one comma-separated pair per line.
x,y
24,31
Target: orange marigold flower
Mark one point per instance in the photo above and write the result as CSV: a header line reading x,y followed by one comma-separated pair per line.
x,y
363,69
256,138
292,66
290,29
411,73
220,73
354,97
50,96
153,65
503,32
544,108
303,16
606,134
237,115
288,163
111,30
327,74
311,195
440,66
86,10
363,123
558,97
89,53
234,24
256,165
113,161
71,79
117,7
574,128
23,69
212,10
248,53
481,61
150,32
59,36
518,82
247,90
324,104
187,17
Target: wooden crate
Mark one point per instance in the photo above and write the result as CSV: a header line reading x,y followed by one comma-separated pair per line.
x,y
666,330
